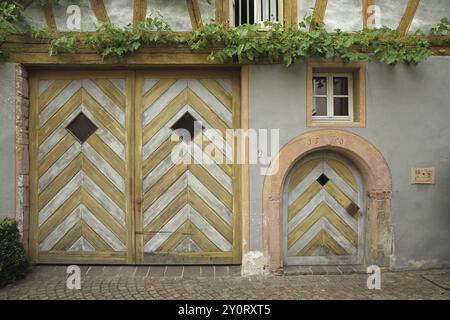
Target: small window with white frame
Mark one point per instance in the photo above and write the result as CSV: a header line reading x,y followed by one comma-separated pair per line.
x,y
255,11
332,97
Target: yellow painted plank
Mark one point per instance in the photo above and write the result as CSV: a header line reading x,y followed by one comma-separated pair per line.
x,y
163,151
340,197
155,92
162,185
202,241
344,172
104,184
303,199
175,238
166,215
93,238
301,173
323,210
56,153
163,117
212,217
212,184
206,113
312,245
108,155
111,91
103,117
60,115
69,238
60,214
212,151
104,216
60,181
51,92
218,91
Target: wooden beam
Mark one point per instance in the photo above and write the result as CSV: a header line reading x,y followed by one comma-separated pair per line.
x,y
222,9
49,16
365,7
25,3
319,13
194,13
99,10
408,17
290,14
139,11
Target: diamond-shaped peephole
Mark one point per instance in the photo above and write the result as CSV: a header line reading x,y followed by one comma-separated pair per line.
x,y
323,179
188,123
81,128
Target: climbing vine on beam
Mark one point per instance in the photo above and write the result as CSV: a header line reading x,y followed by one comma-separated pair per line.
x,y
245,44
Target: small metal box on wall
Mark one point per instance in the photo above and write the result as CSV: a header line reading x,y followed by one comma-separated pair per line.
x,y
423,175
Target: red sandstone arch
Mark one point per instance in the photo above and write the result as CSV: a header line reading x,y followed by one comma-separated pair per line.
x,y
377,179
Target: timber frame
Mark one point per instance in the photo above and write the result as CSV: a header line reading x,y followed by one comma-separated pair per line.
x,y
26,51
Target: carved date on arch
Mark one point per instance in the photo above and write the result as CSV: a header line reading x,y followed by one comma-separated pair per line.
x,y
336,140
312,141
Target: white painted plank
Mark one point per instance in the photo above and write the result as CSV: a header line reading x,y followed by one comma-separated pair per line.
x,y
44,85
215,105
60,132
107,104
169,228
177,154
211,233
106,202
110,238
340,183
64,194
305,183
104,167
211,167
148,84
58,166
174,190
210,199
58,102
58,232
163,100
105,135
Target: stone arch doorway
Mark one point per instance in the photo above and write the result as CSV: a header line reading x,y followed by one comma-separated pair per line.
x,y
377,182
324,212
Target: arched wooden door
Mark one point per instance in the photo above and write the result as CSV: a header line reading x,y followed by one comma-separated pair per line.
x,y
324,212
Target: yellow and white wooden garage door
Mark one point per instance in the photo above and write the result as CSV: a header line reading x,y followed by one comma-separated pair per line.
x,y
104,185
324,220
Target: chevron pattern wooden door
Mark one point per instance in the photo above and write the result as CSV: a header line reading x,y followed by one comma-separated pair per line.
x,y
80,177
324,221
187,208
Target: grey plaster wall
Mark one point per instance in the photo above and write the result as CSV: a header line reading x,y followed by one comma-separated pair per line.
x,y
408,120
7,139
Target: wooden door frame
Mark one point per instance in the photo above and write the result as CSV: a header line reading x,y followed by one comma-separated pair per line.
x,y
361,248
34,78
242,121
238,177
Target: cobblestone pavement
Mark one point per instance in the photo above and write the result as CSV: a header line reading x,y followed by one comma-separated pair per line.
x,y
49,282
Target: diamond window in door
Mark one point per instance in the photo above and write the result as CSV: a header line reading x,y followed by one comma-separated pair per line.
x,y
81,128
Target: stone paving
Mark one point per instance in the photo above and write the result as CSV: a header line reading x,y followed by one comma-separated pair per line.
x,y
223,282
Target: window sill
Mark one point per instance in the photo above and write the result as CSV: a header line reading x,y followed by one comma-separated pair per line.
x,y
334,124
